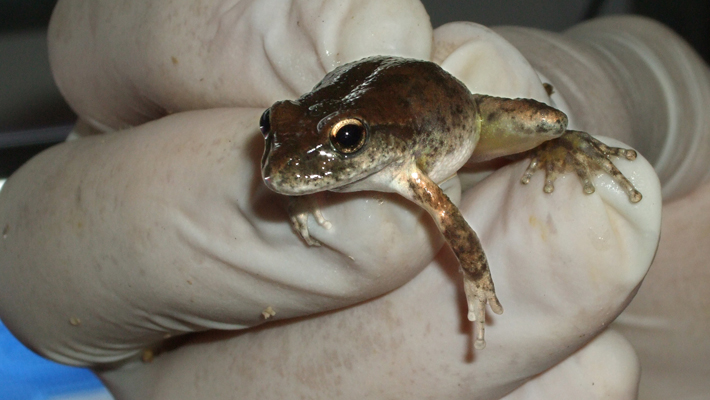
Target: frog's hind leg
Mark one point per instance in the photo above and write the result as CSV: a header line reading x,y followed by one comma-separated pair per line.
x,y
579,152
478,284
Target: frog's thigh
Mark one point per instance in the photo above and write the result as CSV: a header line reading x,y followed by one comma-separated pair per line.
x,y
510,126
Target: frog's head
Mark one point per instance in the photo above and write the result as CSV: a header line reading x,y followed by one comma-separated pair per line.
x,y
310,150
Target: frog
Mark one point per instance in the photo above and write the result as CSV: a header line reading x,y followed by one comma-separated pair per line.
x,y
402,125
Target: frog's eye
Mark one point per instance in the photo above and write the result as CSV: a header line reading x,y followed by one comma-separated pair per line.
x,y
348,135
265,122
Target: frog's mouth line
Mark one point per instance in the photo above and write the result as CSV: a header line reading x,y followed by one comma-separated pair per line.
x,y
292,186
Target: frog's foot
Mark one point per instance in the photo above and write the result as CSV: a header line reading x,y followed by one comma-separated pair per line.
x,y
479,291
299,208
580,152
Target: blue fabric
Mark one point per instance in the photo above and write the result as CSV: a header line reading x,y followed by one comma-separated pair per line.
x,y
26,376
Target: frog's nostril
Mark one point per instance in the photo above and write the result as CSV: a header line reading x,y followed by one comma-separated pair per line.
x,y
265,122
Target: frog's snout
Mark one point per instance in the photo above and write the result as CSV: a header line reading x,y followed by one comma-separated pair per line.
x,y
266,167
270,180
290,185
274,172
285,175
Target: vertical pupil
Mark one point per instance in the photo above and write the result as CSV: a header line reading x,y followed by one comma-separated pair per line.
x,y
349,135
264,122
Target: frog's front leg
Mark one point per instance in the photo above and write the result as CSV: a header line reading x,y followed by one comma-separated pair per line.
x,y
299,208
512,126
478,284
579,152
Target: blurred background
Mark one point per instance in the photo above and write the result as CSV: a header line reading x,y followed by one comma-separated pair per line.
x,y
33,117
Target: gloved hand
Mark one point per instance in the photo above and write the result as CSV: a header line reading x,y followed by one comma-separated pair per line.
x,y
116,241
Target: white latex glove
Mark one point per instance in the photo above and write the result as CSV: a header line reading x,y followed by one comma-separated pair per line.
x,y
166,228
114,242
638,81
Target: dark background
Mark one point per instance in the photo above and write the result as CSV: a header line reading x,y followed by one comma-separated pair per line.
x,y
33,115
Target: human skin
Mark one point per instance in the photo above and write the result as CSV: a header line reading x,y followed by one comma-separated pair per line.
x,y
187,172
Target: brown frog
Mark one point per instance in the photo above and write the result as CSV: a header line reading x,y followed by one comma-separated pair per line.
x,y
400,125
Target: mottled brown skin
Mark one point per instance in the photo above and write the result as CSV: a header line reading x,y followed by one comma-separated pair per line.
x,y
419,125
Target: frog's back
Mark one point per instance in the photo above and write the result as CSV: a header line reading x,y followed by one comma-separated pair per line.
x,y
416,101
